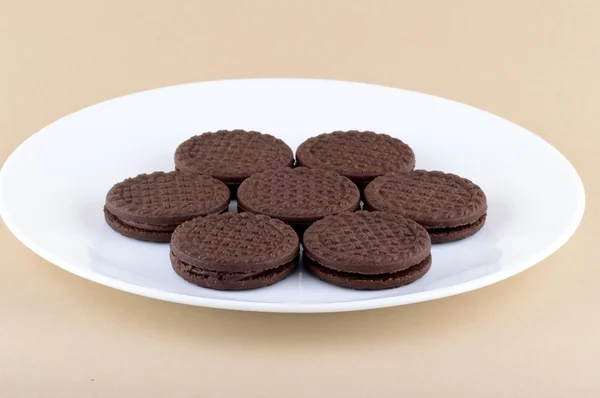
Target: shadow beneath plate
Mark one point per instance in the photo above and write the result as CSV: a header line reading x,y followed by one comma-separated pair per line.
x,y
147,264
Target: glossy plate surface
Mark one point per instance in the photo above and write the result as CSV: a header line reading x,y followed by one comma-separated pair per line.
x,y
52,188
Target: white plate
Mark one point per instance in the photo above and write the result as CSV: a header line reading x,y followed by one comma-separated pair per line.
x,y
52,188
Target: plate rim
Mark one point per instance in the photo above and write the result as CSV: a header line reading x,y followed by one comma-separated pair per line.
x,y
345,306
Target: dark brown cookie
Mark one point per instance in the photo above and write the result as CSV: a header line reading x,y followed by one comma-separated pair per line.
x,y
298,196
448,206
234,251
136,233
367,282
367,250
150,206
358,155
232,155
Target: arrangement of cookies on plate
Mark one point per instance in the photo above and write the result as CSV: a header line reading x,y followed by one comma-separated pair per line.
x,y
284,202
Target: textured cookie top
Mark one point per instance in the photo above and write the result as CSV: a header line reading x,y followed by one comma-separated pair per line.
x,y
432,198
232,155
298,195
166,198
358,155
235,242
367,242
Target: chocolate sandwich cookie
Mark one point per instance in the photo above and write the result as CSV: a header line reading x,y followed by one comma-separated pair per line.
x,y
298,196
358,155
367,250
448,206
234,251
150,206
232,155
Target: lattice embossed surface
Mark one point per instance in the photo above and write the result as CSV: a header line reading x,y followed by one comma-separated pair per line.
x,y
432,198
235,242
367,242
359,155
166,198
299,194
232,155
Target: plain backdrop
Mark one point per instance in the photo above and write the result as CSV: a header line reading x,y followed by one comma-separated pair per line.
x,y
535,63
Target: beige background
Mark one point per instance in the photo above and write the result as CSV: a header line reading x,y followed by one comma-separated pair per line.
x,y
535,335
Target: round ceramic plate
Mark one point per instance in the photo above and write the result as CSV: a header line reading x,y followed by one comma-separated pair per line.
x,y
52,188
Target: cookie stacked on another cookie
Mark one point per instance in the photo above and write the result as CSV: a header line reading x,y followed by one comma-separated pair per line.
x,y
150,206
450,207
367,250
234,251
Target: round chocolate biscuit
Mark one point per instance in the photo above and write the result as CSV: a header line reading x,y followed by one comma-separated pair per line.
x,y
298,196
358,155
150,206
448,206
367,282
234,251
367,250
232,155
136,233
